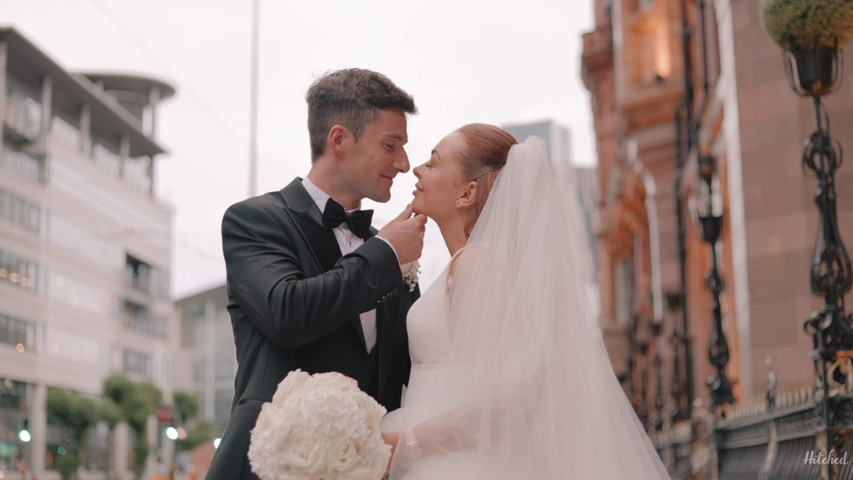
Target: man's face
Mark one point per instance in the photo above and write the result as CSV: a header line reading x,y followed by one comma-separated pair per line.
x,y
378,156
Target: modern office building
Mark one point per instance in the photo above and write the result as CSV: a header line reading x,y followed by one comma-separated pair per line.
x,y
85,247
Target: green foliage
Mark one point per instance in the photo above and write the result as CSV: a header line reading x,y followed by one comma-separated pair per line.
x,y
118,387
201,432
71,409
77,414
808,23
140,403
137,401
66,465
187,404
140,454
110,412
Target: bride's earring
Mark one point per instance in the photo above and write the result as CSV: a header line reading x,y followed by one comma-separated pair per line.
x,y
458,202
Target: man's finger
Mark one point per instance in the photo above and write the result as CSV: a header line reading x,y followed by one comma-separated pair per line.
x,y
406,213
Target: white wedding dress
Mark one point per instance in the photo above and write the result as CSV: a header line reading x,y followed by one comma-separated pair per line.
x,y
510,379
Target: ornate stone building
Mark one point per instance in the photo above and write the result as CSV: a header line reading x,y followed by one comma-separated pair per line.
x,y
695,118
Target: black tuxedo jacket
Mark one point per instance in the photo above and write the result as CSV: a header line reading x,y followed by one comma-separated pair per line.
x,y
295,302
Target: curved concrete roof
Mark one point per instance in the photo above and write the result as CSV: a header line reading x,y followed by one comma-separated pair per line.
x,y
126,82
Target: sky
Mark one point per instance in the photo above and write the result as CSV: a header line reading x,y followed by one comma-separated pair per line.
x,y
463,61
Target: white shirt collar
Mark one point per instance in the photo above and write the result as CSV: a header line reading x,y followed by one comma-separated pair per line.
x,y
320,197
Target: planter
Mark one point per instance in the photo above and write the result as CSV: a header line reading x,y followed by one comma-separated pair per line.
x,y
814,70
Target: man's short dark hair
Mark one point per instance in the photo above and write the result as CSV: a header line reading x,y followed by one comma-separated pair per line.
x,y
350,97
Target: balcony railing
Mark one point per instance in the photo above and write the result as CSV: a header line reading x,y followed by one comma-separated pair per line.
x,y
23,117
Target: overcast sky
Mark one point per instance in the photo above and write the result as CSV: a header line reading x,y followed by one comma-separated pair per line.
x,y
464,61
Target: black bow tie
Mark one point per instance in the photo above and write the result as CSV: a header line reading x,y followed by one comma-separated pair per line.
x,y
358,221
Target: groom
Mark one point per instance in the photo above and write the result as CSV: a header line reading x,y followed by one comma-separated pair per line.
x,y
310,284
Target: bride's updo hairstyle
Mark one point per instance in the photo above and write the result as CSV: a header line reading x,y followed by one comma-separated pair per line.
x,y
484,153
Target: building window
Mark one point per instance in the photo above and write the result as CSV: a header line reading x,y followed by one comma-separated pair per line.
x,y
76,347
623,283
145,278
106,159
81,293
136,174
24,165
65,132
23,115
99,250
139,317
138,274
18,271
17,332
136,362
20,212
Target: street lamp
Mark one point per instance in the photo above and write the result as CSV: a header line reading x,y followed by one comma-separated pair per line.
x,y
706,203
814,73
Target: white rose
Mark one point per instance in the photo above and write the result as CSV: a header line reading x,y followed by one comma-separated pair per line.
x,y
303,452
341,454
294,380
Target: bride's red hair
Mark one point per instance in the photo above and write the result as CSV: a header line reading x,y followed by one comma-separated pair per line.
x,y
485,151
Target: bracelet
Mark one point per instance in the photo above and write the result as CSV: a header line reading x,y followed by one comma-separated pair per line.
x,y
413,449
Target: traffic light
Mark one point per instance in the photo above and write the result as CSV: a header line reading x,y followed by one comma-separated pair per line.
x,y
24,433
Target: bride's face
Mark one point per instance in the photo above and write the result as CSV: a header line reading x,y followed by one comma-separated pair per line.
x,y
440,182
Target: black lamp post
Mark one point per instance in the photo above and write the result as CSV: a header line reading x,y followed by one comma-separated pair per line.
x,y
710,228
815,72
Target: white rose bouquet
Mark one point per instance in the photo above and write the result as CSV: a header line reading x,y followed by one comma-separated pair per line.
x,y
319,427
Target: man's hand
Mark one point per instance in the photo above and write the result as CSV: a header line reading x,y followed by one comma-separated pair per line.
x,y
406,234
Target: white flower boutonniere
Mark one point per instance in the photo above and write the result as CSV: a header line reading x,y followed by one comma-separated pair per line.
x,y
410,274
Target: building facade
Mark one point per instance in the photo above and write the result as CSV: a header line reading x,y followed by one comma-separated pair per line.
x,y
85,246
708,225
209,357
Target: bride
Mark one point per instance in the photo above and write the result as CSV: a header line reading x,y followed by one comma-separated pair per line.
x,y
509,377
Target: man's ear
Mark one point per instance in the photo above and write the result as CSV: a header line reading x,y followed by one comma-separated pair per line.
x,y
469,196
337,139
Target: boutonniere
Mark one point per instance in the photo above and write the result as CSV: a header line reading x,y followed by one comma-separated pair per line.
x,y
410,274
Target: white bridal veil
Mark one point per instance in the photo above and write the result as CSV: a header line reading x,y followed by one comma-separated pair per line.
x,y
523,387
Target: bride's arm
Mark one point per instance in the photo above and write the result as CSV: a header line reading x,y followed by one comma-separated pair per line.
x,y
485,399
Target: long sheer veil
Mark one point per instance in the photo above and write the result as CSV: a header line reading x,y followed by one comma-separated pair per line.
x,y
525,388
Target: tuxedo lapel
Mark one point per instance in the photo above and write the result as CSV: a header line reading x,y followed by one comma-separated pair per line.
x,y
320,240
309,219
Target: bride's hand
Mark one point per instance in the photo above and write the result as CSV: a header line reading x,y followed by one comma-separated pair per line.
x,y
391,439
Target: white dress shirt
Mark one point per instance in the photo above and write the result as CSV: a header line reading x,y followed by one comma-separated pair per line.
x,y
348,242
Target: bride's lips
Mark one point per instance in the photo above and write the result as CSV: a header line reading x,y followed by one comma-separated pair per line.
x,y
417,190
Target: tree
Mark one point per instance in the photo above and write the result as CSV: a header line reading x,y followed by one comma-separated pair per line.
x,y
187,404
137,402
110,412
198,432
76,413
